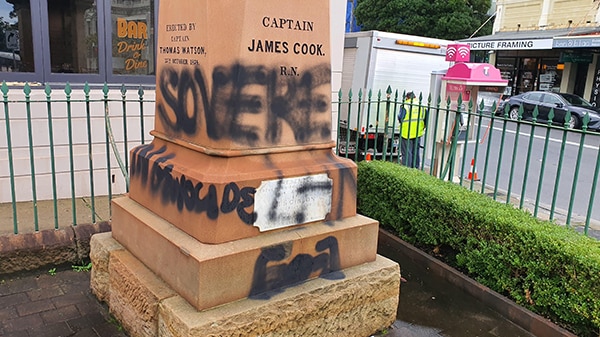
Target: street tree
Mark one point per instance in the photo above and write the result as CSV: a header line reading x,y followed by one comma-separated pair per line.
x,y
444,19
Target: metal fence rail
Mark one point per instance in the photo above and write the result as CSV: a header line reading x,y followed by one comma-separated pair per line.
x,y
65,152
550,170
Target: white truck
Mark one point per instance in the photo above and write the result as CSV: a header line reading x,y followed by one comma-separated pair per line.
x,y
374,61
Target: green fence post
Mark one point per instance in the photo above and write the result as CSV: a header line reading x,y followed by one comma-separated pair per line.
x,y
489,146
528,160
386,122
500,154
48,92
464,155
445,140
425,135
395,144
455,133
368,118
514,156
585,121
433,165
107,135
86,91
477,136
544,156
11,170
560,162
125,139
349,118
141,100
593,192
358,124
27,91
68,92
416,144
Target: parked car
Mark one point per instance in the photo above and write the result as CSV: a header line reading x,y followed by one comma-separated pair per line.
x,y
488,99
545,101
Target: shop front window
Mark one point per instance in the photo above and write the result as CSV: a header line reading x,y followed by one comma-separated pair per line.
x,y
73,36
16,43
132,37
550,75
507,68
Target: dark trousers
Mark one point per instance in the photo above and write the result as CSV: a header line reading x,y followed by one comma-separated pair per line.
x,y
410,152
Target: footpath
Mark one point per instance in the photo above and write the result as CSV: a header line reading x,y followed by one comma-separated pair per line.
x,y
53,304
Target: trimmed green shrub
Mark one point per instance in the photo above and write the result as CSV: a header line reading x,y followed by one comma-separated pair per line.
x,y
549,269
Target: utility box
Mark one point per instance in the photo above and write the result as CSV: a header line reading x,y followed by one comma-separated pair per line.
x,y
464,80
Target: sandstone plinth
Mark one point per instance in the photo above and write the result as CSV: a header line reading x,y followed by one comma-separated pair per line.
x,y
358,305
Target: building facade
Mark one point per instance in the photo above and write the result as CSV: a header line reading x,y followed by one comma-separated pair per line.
x,y
549,45
97,41
77,41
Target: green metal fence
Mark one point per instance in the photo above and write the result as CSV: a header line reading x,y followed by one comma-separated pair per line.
x,y
65,152
549,170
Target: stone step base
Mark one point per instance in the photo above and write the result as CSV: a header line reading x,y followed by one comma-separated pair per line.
x,y
207,275
361,303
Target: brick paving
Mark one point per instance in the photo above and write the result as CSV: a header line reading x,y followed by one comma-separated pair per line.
x,y
41,304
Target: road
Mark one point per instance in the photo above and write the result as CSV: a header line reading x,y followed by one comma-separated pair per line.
x,y
550,171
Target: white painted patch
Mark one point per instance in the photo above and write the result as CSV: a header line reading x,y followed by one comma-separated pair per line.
x,y
291,201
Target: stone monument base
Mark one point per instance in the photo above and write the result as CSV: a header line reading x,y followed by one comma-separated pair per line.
x,y
360,304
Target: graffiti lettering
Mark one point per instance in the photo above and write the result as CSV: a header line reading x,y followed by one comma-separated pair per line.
x,y
183,192
277,277
290,201
241,90
175,89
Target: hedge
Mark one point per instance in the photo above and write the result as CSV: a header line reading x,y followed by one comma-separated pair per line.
x,y
550,269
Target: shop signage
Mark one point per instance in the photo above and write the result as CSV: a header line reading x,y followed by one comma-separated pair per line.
x,y
576,42
595,97
132,43
576,57
511,44
454,90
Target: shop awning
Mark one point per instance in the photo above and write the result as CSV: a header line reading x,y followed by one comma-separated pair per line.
x,y
536,39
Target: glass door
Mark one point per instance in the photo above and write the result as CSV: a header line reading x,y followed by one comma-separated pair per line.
x,y
527,80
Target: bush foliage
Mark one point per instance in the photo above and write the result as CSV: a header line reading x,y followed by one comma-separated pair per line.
x,y
549,269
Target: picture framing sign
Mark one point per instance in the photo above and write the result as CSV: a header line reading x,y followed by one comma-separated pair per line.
x,y
510,44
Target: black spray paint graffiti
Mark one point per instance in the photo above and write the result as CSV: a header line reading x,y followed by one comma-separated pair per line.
x,y
239,90
304,194
183,192
347,183
278,276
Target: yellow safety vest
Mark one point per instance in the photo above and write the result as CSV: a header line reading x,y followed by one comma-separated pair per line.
x,y
413,124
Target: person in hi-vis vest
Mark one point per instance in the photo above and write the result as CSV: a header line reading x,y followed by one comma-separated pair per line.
x,y
412,126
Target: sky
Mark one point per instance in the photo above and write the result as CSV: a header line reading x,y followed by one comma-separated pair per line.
x,y
5,9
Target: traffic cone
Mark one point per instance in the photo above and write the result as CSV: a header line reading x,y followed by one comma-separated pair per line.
x,y
368,157
473,172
